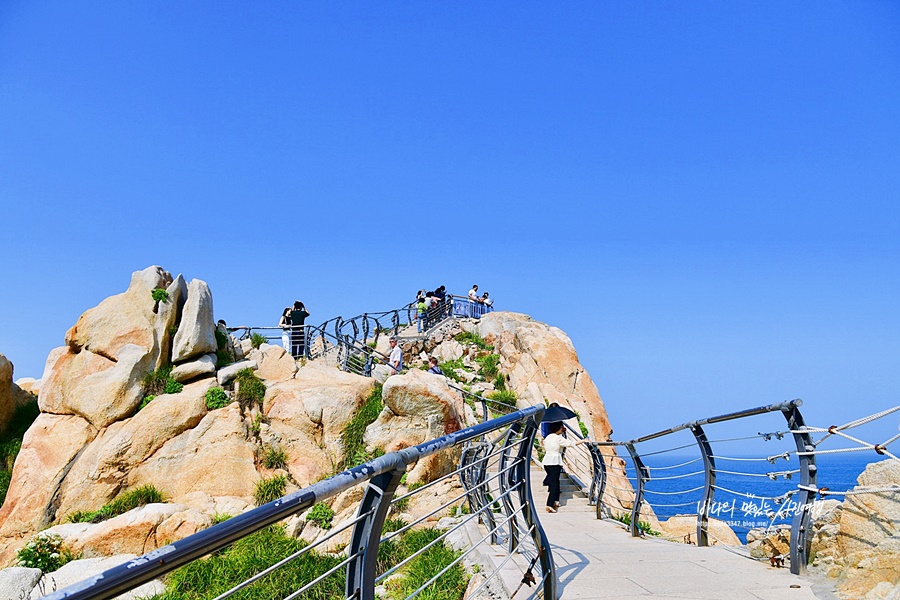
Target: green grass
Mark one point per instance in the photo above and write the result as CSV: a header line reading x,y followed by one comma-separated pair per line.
x,y
250,389
146,494
506,397
352,438
500,382
490,366
270,489
11,441
274,458
208,578
158,382
159,295
449,368
472,339
643,526
216,398
257,340
321,514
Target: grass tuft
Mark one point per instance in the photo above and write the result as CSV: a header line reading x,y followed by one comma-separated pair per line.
x,y
250,389
472,339
269,489
146,494
275,458
352,438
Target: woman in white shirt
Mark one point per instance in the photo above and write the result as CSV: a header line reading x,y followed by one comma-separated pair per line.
x,y
553,445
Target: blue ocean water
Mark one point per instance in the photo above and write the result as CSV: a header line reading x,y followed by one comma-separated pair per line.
x,y
746,496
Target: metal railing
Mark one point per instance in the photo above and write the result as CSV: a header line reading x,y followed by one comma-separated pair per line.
x,y
353,340
492,478
683,470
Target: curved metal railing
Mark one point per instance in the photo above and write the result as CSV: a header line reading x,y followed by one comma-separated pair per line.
x,y
493,481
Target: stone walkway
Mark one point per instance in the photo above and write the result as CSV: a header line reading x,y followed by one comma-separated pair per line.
x,y
599,559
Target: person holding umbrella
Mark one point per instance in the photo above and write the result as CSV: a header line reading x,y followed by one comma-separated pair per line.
x,y
554,442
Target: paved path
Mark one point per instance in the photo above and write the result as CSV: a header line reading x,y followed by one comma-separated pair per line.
x,y
598,559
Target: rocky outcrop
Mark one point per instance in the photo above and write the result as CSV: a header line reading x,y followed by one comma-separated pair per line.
x,y
307,416
859,541
7,393
16,583
683,528
78,570
48,450
200,367
197,332
274,363
418,406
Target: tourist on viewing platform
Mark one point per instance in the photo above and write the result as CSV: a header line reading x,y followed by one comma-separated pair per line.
x,y
473,302
487,304
420,313
473,293
285,324
395,360
553,445
433,366
298,332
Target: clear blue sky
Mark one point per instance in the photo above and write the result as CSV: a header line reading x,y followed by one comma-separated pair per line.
x,y
703,195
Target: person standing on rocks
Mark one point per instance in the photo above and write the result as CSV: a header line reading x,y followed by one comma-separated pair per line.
x,y
285,324
395,360
298,331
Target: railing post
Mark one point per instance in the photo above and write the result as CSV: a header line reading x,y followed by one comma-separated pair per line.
x,y
601,475
522,473
642,476
800,540
709,467
366,535
507,479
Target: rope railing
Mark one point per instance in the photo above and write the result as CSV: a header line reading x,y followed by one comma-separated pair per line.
x,y
494,483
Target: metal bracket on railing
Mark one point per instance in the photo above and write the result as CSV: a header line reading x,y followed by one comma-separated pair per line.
x,y
643,475
800,539
709,490
367,532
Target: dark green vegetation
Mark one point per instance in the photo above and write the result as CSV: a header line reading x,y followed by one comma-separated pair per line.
x,y
11,441
224,355
158,382
352,438
472,339
643,526
45,552
320,514
274,458
208,578
146,494
249,389
257,340
489,366
270,489
216,398
159,295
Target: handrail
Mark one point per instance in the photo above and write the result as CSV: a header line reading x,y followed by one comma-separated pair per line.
x,y
383,475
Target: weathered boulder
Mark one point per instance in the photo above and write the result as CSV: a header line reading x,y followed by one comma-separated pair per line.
x,y
205,365
418,406
136,532
308,414
48,449
214,457
95,387
16,583
168,314
79,570
103,467
7,393
448,350
679,527
274,363
128,318
226,374
197,332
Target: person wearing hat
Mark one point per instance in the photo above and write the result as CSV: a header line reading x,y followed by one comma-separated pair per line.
x,y
395,360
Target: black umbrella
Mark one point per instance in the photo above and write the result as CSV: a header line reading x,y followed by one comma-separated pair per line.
x,y
558,413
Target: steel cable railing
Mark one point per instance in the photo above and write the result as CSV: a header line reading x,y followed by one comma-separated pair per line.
x,y
495,480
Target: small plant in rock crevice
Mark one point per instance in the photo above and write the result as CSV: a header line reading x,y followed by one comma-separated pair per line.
x,y
158,382
274,458
472,339
45,552
489,366
270,489
141,496
216,397
159,295
257,340
352,438
249,389
320,514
